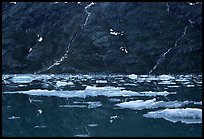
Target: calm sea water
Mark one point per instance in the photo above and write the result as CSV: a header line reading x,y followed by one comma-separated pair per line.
x,y
102,105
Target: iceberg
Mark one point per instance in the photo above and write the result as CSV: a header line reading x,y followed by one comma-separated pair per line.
x,y
184,115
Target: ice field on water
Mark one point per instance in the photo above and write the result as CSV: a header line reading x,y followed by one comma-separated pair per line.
x,y
101,105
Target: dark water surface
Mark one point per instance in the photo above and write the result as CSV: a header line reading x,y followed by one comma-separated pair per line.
x,y
102,105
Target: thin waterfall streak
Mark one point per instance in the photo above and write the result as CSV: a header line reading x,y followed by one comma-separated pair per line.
x,y
184,33
167,4
163,55
58,62
88,13
159,61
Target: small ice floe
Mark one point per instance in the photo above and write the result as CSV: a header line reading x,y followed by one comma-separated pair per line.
x,y
22,79
13,118
94,104
92,125
198,103
34,100
60,83
123,49
40,126
40,111
166,82
174,86
166,77
184,115
113,118
190,3
132,76
151,104
78,2
72,106
101,81
22,85
13,2
30,50
81,135
116,33
40,38
190,85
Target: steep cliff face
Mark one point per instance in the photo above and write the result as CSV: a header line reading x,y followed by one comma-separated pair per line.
x,y
113,37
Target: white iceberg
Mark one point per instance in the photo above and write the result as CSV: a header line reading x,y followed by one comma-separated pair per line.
x,y
151,104
185,115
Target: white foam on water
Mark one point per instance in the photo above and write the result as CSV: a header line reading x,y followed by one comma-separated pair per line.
x,y
22,79
184,115
151,104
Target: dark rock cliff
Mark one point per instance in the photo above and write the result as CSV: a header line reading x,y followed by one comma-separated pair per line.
x,y
112,37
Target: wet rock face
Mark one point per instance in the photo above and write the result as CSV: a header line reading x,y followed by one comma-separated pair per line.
x,y
113,37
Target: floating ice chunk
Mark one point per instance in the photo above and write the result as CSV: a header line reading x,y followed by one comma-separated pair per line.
x,y
94,104
144,76
82,135
40,38
173,86
22,79
198,103
13,118
40,126
130,84
40,111
151,104
151,93
73,106
133,76
166,82
34,100
190,85
166,77
185,115
92,125
101,81
60,83
78,2
30,50
13,2
114,100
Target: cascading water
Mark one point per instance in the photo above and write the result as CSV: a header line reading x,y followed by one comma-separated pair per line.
x,y
88,13
58,62
164,54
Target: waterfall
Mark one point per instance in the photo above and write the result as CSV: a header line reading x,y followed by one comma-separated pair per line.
x,y
167,4
164,54
88,13
58,62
